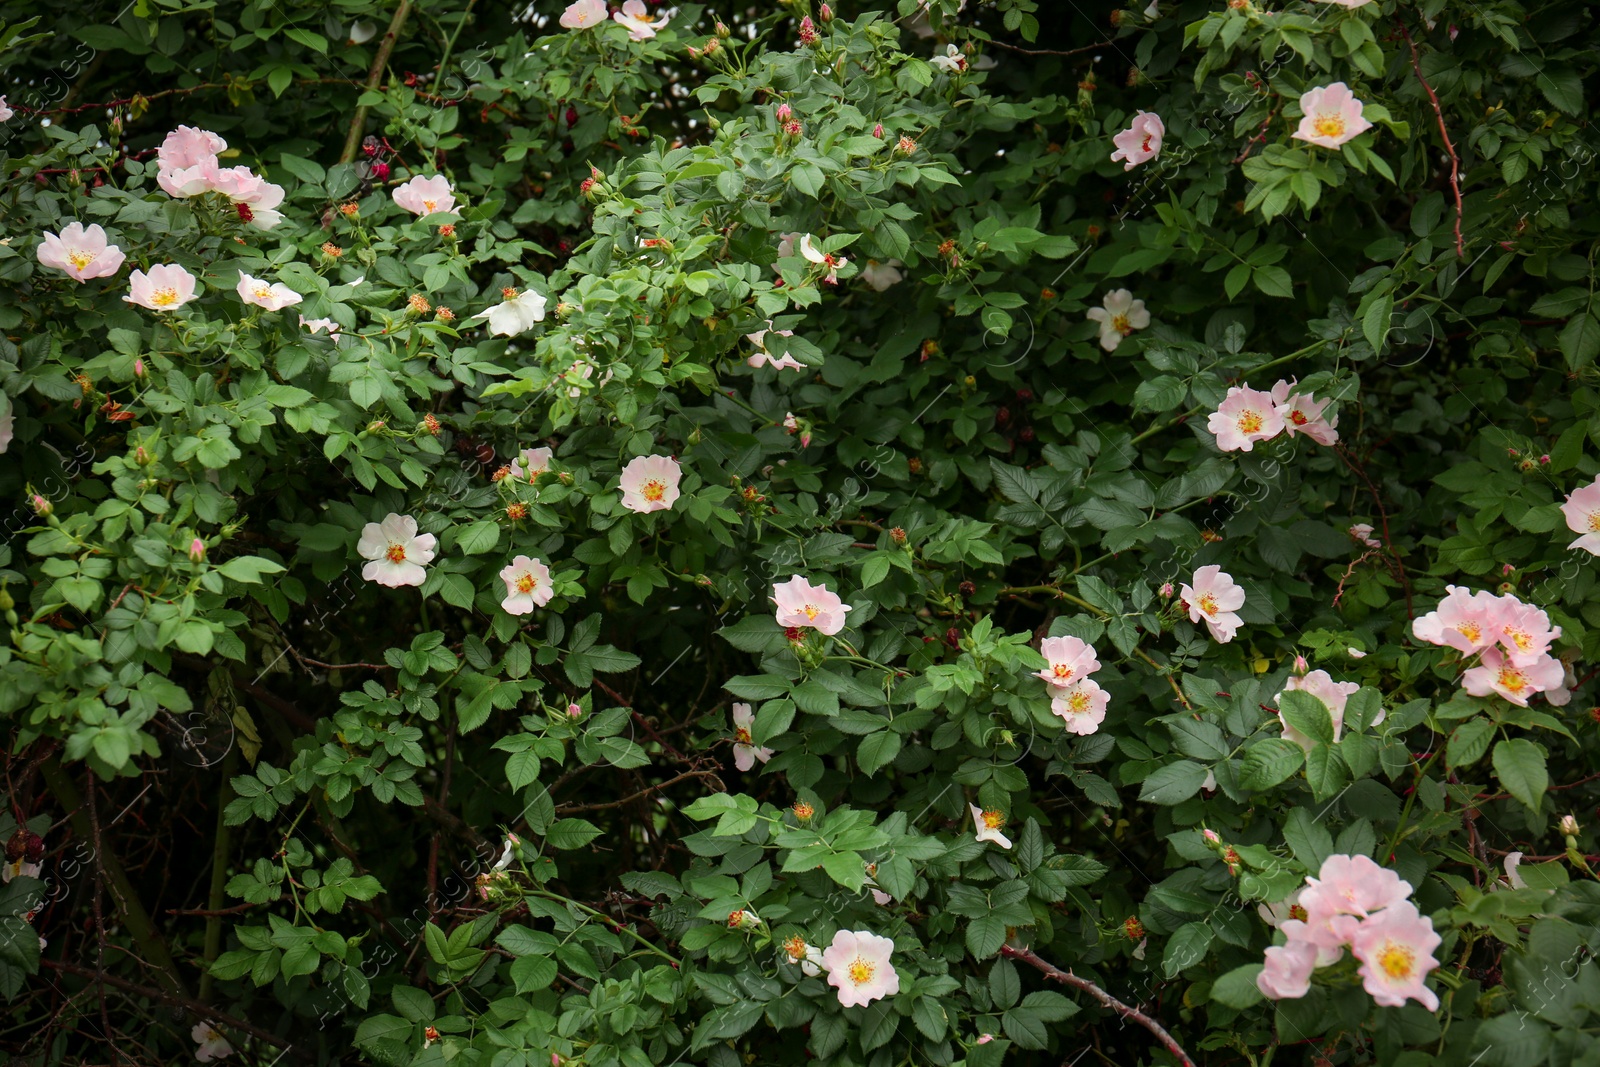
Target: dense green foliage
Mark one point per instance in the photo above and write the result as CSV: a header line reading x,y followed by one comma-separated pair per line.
x,y
271,791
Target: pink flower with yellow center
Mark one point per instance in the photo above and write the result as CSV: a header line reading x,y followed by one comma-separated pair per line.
x,y
799,603
1140,142
397,553
1395,948
858,966
1081,706
1464,620
988,825
1214,597
745,751
1244,417
273,296
1582,511
650,483
583,15
166,288
427,196
1119,315
1303,415
1525,632
1332,116
1071,660
83,252
1286,974
637,18
1496,673
528,586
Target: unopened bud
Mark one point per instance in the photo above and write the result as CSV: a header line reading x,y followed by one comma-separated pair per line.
x,y
825,13
722,30
138,367
575,711
785,112
40,505
142,457
197,551
1300,665
1569,825
877,131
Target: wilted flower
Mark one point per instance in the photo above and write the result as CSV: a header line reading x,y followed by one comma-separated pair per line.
x,y
952,62
81,251
212,1045
988,823
745,751
882,275
1140,142
396,551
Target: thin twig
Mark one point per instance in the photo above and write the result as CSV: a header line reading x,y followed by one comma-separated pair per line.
x,y
204,1011
1051,51
1396,564
1050,970
1455,161
565,808
99,917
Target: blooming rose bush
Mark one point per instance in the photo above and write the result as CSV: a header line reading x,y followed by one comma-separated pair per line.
x,y
939,533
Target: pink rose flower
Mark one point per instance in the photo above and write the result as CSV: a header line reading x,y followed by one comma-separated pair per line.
x,y
81,251
1215,598
274,296
745,751
1119,315
1081,706
1396,953
1362,531
327,326
528,586
650,483
1525,632
1350,886
584,14
1496,673
427,196
167,287
1071,660
1332,116
858,967
636,17
799,603
187,146
1140,142
531,463
1301,414
1582,510
397,553
1287,971
1466,621
1245,416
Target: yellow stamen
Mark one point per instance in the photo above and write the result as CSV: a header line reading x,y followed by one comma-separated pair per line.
x,y
396,553
164,297
1397,961
1331,126
860,971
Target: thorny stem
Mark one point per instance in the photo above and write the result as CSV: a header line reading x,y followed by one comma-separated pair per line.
x,y
1051,971
352,142
1455,161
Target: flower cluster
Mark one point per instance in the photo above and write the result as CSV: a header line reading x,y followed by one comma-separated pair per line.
x,y
1248,415
1074,696
1353,903
188,167
1511,639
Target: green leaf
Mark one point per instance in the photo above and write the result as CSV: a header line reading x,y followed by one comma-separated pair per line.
x,y
478,538
1519,764
1468,742
1173,783
571,833
1307,714
877,751
1237,988
1187,947
1325,772
1270,762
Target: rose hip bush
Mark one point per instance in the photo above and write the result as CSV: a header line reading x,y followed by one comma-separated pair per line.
x,y
951,533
